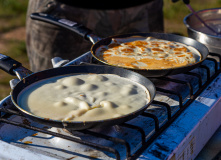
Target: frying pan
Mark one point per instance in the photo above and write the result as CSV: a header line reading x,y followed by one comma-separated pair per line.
x,y
97,42
27,78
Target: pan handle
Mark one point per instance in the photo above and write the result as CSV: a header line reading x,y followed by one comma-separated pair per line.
x,y
13,67
67,24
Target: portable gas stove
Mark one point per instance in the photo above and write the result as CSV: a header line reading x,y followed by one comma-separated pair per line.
x,y
182,118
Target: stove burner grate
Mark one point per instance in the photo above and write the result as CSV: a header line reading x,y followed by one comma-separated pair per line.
x,y
159,124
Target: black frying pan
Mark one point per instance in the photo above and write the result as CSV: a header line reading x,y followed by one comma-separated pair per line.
x,y
97,42
28,78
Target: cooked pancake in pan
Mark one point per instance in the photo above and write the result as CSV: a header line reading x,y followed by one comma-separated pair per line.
x,y
84,97
147,53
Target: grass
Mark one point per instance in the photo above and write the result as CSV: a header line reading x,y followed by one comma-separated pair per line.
x,y
13,16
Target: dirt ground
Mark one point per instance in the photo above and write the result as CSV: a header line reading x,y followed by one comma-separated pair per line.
x,y
16,34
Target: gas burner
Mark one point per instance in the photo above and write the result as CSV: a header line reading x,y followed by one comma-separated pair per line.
x,y
180,120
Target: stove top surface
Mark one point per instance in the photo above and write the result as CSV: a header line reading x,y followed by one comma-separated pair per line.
x,y
177,124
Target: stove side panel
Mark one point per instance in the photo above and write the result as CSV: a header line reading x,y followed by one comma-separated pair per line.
x,y
188,134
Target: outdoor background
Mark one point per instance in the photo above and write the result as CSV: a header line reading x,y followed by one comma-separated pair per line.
x,y
12,29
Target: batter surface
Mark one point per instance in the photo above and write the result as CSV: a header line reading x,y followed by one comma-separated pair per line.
x,y
84,97
147,53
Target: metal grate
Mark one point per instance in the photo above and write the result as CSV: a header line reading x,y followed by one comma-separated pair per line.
x,y
145,138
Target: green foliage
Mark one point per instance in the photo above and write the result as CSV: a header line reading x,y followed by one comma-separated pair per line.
x,y
12,14
17,49
12,7
172,10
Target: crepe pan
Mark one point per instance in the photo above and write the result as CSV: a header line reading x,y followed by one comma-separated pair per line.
x,y
97,42
27,79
